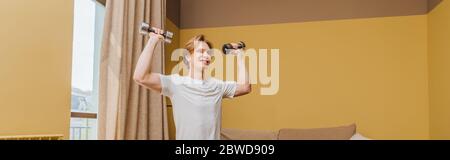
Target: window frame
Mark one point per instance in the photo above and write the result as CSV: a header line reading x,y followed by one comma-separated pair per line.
x,y
87,115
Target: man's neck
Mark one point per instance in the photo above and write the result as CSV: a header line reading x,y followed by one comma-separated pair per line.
x,y
197,75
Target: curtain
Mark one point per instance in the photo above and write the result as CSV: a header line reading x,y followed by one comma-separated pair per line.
x,y
126,110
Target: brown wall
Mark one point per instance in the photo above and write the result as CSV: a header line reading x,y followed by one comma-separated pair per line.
x,y
432,4
219,13
173,11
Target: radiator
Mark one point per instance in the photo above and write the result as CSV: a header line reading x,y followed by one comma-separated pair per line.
x,y
33,137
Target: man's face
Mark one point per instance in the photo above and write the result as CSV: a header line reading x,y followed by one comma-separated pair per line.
x,y
201,58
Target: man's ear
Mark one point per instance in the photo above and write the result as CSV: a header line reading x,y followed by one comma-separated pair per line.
x,y
186,59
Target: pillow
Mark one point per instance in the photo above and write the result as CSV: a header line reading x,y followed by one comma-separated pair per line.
x,y
358,136
334,133
237,134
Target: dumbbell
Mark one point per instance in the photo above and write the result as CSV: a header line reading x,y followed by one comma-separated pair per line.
x,y
146,29
232,46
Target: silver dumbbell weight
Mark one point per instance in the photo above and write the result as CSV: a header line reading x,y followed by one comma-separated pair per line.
x,y
145,29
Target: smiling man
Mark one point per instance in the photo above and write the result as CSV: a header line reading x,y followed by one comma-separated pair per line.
x,y
196,98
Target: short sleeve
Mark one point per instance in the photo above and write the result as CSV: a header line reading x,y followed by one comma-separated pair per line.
x,y
166,85
228,89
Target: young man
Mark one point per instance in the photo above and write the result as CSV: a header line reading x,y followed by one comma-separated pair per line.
x,y
196,98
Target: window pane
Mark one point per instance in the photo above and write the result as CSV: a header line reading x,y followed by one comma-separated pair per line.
x,y
87,36
83,129
83,56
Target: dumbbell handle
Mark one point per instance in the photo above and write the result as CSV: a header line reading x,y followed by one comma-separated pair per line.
x,y
165,34
229,46
146,29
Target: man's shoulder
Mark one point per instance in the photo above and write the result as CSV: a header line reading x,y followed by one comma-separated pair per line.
x,y
215,80
175,78
219,81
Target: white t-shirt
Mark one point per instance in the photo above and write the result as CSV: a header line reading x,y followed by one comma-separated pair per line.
x,y
197,105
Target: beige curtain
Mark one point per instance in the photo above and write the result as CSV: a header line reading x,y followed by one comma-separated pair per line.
x,y
127,111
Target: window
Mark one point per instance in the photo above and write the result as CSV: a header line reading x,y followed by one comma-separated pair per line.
x,y
87,36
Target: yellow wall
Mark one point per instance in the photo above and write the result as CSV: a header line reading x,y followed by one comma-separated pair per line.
x,y
439,69
35,66
369,71
169,48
